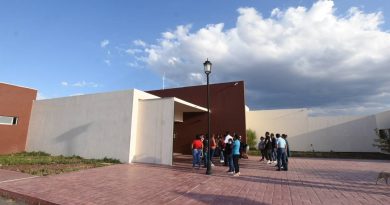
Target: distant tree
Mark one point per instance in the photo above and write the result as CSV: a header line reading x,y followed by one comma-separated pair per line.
x,y
383,140
251,138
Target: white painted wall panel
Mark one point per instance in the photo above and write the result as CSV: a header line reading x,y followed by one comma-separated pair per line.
x,y
155,131
134,135
291,121
343,134
339,134
91,126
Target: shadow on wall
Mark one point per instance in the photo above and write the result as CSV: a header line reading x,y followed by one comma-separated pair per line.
x,y
352,136
68,139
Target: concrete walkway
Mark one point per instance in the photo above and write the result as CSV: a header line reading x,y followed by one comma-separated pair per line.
x,y
309,181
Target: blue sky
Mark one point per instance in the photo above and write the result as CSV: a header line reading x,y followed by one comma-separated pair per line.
x,y
64,48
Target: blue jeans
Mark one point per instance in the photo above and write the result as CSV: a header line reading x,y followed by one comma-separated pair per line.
x,y
236,157
274,154
230,162
221,155
281,155
196,157
212,152
205,158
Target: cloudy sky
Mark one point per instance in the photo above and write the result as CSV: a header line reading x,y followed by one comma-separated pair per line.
x,y
330,56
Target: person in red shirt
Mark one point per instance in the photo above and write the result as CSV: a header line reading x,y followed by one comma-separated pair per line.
x,y
197,147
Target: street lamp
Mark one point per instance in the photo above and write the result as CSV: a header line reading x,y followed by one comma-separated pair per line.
x,y
207,69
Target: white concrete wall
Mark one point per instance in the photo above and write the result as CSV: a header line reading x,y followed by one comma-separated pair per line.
x,y
383,120
291,121
339,134
134,136
155,131
91,126
342,134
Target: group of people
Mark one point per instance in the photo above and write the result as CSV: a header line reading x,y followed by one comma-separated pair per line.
x,y
275,149
229,148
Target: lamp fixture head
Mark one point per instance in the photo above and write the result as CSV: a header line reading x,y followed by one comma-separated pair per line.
x,y
207,66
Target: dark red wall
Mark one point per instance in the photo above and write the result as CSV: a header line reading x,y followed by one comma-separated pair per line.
x,y
15,102
227,105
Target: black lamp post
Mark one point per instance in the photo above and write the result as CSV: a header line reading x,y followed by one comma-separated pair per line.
x,y
207,69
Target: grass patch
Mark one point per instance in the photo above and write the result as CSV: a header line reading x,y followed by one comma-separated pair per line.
x,y
42,164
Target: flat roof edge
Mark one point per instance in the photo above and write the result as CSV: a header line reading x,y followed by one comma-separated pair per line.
x,y
9,84
189,104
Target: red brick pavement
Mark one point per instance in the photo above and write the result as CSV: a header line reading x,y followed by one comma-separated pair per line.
x,y
6,175
309,181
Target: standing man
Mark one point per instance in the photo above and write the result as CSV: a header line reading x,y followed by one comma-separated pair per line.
x,y
274,150
288,153
227,137
281,153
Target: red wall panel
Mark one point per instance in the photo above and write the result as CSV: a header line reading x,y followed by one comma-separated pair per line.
x,y
227,105
15,102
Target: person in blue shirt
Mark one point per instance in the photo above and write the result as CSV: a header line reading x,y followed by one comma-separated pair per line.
x,y
236,155
281,152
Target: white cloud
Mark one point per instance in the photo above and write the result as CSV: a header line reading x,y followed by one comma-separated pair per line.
x,y
81,84
133,51
108,62
104,43
139,43
298,57
85,84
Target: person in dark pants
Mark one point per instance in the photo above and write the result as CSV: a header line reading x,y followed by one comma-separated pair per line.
x,y
288,153
236,155
229,155
273,155
261,147
268,148
227,137
281,153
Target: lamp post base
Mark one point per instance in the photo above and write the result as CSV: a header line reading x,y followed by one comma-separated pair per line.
x,y
208,170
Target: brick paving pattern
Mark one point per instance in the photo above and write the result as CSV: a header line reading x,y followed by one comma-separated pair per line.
x,y
309,181
6,175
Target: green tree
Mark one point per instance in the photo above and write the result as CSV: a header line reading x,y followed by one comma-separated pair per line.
x,y
383,140
251,138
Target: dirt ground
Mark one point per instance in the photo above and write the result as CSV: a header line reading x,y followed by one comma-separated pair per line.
x,y
48,169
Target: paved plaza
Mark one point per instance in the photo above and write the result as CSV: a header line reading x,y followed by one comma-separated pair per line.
x,y
309,181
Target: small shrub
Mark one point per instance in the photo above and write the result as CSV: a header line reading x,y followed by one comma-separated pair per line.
x,y
383,140
110,160
251,138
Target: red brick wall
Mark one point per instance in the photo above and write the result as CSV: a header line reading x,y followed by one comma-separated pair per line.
x,y
15,102
227,105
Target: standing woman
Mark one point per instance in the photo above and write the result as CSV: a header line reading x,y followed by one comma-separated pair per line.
x,y
236,155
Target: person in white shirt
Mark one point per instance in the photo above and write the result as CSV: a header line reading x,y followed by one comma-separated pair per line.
x,y
281,152
227,137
